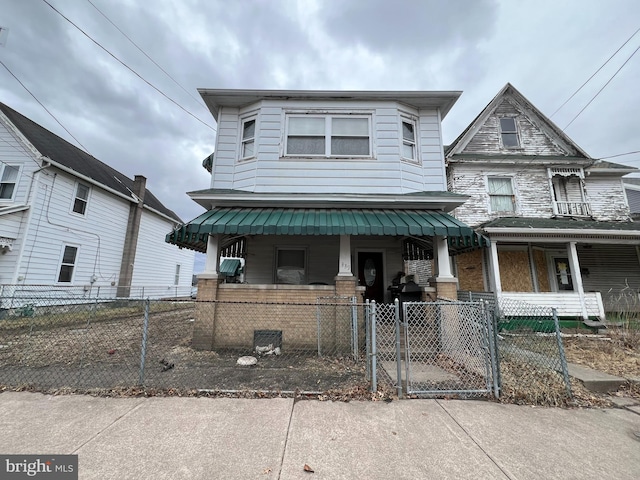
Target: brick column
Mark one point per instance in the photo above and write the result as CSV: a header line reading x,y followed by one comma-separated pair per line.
x,y
447,288
346,286
205,324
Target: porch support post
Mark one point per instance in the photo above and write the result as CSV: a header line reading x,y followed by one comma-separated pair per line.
x,y
442,258
213,255
496,284
344,269
577,277
446,283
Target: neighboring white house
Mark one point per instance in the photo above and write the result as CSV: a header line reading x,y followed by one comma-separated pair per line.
x,y
328,192
70,222
558,220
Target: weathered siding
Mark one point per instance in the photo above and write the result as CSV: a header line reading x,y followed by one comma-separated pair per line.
x,y
533,140
271,171
531,188
607,198
156,260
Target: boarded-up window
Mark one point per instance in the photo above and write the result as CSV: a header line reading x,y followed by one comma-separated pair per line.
x,y
501,194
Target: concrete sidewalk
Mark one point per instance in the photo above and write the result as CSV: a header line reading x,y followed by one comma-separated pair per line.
x,y
207,438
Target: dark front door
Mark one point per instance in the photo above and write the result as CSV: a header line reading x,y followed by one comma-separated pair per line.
x,y
370,275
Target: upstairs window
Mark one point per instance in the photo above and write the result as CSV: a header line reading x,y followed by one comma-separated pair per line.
x,y
330,136
501,196
408,140
248,138
81,199
67,264
8,181
509,132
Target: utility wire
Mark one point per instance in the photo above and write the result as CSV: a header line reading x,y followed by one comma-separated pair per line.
x,y
620,154
603,87
145,54
595,73
129,68
42,105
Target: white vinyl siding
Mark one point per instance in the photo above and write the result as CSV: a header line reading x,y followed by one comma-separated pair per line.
x,y
383,171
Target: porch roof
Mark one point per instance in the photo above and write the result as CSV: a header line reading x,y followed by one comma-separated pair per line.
x,y
323,221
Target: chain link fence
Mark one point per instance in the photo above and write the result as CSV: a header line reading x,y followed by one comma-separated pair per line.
x,y
533,368
49,343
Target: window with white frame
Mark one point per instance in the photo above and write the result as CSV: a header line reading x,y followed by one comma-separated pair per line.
x,y
176,278
68,263
248,147
8,181
291,266
328,135
509,132
501,197
81,199
409,140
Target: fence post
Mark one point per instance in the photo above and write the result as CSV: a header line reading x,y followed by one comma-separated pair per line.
x,y
354,328
396,321
143,350
367,336
318,319
563,359
374,379
493,347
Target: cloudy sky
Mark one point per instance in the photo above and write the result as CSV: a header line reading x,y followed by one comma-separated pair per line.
x,y
545,48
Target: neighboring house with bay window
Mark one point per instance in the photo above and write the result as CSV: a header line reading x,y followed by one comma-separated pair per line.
x,y
324,194
71,223
558,220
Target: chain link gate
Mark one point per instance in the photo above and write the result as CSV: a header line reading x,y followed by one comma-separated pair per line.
x,y
433,348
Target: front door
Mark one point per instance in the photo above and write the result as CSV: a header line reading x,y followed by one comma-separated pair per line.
x,y
370,275
563,273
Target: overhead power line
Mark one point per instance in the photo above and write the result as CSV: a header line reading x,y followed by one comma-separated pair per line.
x,y
145,54
42,105
595,73
129,68
620,154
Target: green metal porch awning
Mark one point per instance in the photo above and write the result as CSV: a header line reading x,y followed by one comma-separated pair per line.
x,y
229,267
322,221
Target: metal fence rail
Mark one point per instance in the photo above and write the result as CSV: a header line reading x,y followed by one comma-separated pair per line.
x,y
532,361
59,343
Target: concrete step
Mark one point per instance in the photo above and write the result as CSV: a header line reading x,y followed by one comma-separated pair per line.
x,y
594,380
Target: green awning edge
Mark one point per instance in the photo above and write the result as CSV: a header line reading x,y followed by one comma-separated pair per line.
x,y
230,267
325,221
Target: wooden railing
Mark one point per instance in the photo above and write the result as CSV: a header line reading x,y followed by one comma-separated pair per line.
x,y
578,209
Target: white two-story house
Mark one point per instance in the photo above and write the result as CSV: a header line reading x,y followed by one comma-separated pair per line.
x,y
558,220
325,193
72,224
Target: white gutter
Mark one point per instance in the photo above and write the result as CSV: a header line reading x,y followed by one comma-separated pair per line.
x,y
90,180
557,231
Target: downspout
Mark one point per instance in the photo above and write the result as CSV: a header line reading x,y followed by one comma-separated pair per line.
x,y
31,196
131,238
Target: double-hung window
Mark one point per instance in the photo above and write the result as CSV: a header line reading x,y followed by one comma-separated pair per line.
x,y
509,132
67,264
248,138
81,199
408,140
501,196
8,181
328,135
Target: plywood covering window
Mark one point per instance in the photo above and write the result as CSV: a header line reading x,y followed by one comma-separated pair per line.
x,y
67,264
501,197
328,135
248,138
509,132
81,199
8,181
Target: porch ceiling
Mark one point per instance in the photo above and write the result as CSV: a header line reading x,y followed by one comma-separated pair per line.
x,y
319,221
